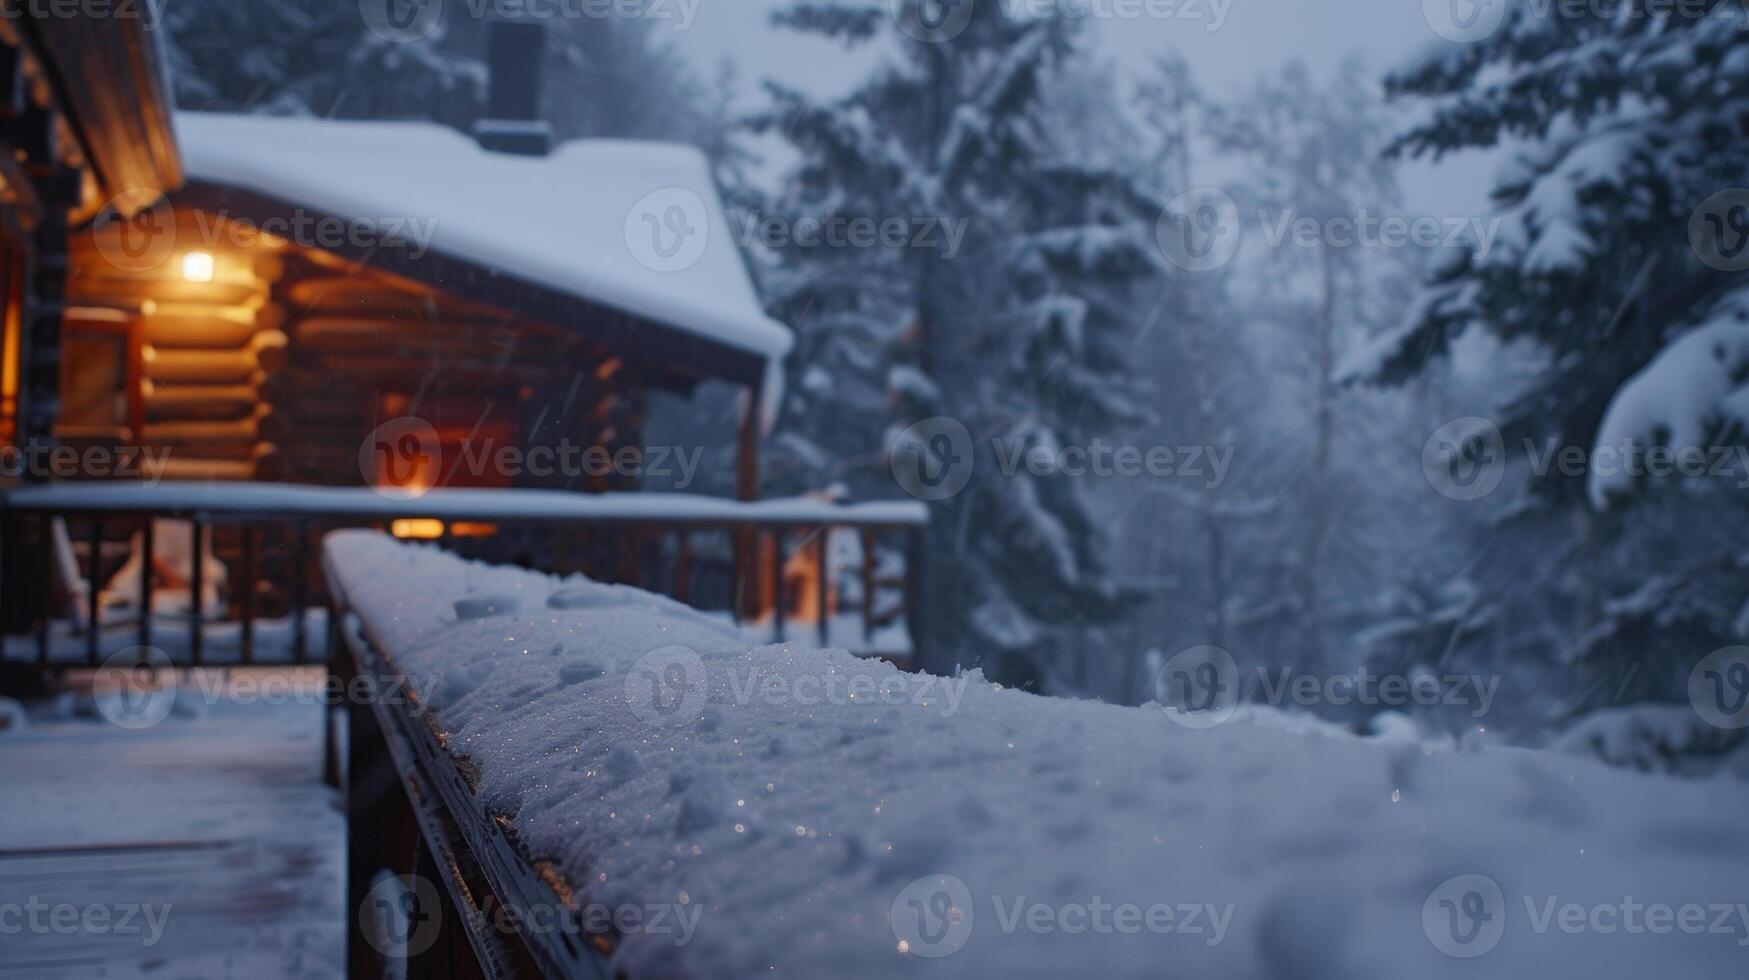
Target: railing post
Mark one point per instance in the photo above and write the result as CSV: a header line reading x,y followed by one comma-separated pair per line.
x,y
46,529
777,584
868,586
144,628
196,585
94,594
300,589
683,569
247,600
821,604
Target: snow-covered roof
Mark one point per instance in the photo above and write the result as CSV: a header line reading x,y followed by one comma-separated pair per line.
x,y
568,221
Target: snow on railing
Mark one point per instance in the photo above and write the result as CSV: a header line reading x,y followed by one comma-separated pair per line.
x,y
716,807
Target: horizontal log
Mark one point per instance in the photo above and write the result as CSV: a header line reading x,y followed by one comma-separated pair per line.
x,y
205,328
264,352
377,298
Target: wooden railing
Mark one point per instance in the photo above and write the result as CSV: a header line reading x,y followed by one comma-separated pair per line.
x,y
271,529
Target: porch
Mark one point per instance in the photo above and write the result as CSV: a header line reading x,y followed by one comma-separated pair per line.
x,y
835,573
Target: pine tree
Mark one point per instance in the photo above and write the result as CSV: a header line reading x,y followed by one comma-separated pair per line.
x,y
1617,259
312,57
1019,336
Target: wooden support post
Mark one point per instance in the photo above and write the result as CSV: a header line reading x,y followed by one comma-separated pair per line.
x,y
94,594
196,585
144,629
747,488
822,605
247,603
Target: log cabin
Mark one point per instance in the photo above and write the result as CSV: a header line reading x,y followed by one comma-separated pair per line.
x,y
249,300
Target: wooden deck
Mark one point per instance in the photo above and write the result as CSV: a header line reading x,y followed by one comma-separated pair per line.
x,y
214,837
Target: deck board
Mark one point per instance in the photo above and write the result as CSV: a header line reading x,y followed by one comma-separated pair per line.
x,y
221,824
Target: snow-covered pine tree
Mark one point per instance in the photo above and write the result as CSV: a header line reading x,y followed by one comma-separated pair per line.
x,y
1019,335
1618,256
312,57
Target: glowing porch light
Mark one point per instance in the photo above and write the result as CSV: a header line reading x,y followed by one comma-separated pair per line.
x,y
198,267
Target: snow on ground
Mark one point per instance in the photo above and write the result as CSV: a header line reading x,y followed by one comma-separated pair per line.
x,y
823,815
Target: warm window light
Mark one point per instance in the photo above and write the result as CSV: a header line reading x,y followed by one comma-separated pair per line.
x,y
417,529
198,267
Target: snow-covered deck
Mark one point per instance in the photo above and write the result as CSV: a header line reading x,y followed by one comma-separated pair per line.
x,y
211,834
801,812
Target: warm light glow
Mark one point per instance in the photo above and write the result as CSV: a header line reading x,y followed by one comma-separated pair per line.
x,y
417,529
198,267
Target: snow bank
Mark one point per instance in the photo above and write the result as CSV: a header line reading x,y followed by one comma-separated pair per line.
x,y
827,816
